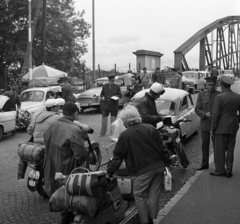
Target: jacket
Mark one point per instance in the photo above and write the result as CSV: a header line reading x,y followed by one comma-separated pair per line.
x,y
141,147
226,113
176,82
14,100
136,88
40,123
107,92
67,93
65,150
204,105
158,77
148,111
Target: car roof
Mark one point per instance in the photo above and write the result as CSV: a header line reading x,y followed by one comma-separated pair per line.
x,y
170,94
190,72
47,88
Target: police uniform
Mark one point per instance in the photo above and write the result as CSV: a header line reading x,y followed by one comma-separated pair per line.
x,y
224,127
204,105
109,105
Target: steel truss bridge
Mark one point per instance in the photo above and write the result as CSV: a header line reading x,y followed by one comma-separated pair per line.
x,y
226,54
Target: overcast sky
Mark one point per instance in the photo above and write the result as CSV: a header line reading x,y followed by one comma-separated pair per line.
x,y
124,26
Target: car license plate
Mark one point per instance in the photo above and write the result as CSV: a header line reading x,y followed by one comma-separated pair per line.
x,y
33,178
84,104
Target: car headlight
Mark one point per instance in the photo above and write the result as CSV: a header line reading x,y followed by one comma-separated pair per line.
x,y
95,96
26,113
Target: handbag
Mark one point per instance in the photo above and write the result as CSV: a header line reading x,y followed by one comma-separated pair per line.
x,y
93,184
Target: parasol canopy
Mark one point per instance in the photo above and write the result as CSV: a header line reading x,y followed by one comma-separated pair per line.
x,y
45,71
44,81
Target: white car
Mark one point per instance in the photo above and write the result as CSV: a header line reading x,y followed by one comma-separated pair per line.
x,y
7,119
176,103
33,100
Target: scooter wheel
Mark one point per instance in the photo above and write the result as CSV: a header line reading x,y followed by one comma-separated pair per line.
x,y
40,185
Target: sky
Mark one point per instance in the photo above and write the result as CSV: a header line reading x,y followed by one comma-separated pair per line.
x,y
125,26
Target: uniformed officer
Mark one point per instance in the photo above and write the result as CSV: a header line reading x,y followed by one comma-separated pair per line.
x,y
224,127
203,109
110,95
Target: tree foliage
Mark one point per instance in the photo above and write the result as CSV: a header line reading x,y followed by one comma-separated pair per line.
x,y
66,31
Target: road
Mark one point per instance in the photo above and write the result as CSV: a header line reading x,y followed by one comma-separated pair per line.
x,y
19,205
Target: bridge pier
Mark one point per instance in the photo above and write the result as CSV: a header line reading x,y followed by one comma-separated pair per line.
x,y
202,55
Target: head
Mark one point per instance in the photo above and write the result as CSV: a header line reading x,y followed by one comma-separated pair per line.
x,y
226,82
134,80
70,110
130,71
211,83
157,90
144,69
52,105
157,69
49,94
14,90
130,116
111,79
174,69
180,73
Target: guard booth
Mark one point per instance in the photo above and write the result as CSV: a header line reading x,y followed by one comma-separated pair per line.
x,y
149,59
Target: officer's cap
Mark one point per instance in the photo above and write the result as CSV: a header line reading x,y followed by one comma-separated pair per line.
x,y
227,80
111,75
211,79
144,68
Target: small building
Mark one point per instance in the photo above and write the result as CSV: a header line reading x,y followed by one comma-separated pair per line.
x,y
149,59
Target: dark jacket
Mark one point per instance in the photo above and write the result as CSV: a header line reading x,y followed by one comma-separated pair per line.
x,y
14,100
67,93
131,92
158,77
226,113
141,147
110,104
214,72
204,105
65,150
148,111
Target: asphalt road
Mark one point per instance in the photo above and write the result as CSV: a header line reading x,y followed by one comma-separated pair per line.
x,y
19,205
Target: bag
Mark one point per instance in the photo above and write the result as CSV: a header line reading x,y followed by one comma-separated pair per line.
x,y
61,201
167,180
31,152
125,183
93,184
183,160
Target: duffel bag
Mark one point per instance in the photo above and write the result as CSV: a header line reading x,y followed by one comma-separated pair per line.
x,y
61,201
93,184
31,152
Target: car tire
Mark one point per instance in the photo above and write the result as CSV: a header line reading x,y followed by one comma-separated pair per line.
x,y
1,133
82,110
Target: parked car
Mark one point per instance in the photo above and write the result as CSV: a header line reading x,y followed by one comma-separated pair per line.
x,y
197,78
91,97
176,103
33,100
7,118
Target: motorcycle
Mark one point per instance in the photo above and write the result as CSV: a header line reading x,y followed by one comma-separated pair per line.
x,y
36,175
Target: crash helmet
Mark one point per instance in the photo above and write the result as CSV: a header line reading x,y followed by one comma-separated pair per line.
x,y
61,102
157,88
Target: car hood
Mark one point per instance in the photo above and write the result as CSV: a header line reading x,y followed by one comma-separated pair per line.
x,y
191,79
91,92
3,100
29,105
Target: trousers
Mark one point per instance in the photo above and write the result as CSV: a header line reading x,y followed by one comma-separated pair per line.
x,y
105,114
224,152
205,135
146,189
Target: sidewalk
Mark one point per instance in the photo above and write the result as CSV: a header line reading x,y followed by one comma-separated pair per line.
x,y
206,199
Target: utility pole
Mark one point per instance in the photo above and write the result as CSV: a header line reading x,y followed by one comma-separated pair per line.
x,y
43,31
30,38
93,38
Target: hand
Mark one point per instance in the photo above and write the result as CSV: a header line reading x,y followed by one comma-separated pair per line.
x,y
208,115
103,98
90,131
212,135
131,87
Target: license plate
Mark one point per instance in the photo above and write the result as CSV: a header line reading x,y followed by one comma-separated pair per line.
x,y
33,174
84,104
33,178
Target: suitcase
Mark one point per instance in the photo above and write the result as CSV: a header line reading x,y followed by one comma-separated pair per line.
x,y
125,184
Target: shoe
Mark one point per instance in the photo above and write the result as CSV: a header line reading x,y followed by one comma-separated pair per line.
x,y
229,174
217,174
203,168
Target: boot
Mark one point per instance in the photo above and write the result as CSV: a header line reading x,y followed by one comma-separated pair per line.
x,y
113,119
104,126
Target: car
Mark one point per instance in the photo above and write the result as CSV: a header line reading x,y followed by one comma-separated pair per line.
x,y
33,100
7,118
228,73
197,78
91,97
176,103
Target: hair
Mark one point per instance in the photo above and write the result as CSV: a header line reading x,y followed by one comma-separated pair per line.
x,y
153,93
134,77
48,108
69,109
130,115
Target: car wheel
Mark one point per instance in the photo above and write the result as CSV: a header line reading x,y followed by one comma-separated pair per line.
x,y
81,110
1,133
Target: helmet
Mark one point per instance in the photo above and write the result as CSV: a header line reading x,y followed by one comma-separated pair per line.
x,y
51,103
157,88
61,101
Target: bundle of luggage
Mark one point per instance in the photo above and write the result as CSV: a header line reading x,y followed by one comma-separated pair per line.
x,y
90,194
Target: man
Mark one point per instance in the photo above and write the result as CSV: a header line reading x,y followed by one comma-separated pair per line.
x,y
134,88
110,95
203,109
176,81
14,99
43,120
225,125
147,106
141,147
67,93
159,77
144,78
213,71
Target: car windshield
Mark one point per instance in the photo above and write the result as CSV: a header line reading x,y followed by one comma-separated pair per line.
x,y
32,96
189,75
102,82
165,107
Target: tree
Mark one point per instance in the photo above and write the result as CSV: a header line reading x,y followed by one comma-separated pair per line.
x,y
66,31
